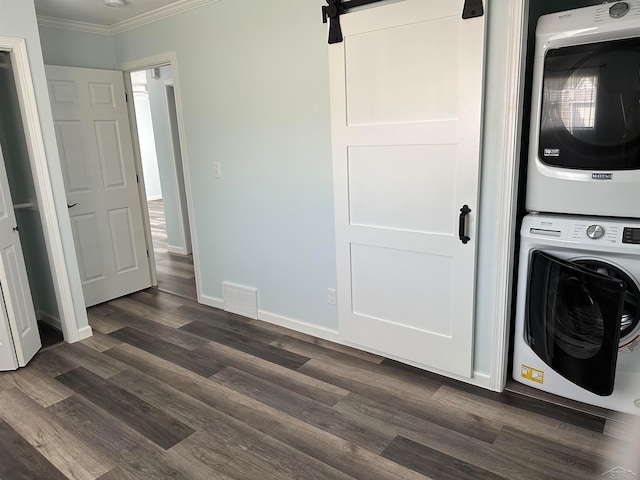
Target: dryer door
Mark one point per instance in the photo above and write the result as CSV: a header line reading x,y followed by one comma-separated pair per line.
x,y
572,320
590,111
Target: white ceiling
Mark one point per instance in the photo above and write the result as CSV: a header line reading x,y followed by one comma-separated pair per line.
x,y
95,11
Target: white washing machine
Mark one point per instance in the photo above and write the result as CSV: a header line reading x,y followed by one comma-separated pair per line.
x,y
577,328
584,150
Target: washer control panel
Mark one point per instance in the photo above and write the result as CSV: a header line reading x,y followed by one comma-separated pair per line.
x,y
595,232
629,10
585,232
631,235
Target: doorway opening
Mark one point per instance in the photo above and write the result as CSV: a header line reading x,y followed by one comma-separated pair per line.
x,y
28,218
163,180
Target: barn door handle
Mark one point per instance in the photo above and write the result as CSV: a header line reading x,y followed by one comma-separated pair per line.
x,y
72,205
462,224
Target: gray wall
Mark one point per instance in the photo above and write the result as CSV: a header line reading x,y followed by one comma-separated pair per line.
x,y
253,80
77,49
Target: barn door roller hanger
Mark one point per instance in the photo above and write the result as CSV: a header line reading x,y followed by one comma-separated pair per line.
x,y
335,8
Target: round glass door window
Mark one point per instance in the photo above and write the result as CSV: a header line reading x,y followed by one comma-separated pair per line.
x,y
630,317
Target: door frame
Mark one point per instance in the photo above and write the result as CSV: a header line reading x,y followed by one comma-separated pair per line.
x,y
168,58
508,172
186,241
17,49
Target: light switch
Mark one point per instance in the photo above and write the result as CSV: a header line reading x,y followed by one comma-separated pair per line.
x,y
217,172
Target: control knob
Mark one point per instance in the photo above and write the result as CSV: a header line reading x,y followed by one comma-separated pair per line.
x,y
595,232
619,9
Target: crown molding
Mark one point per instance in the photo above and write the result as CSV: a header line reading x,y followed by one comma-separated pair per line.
x,y
54,22
158,14
129,24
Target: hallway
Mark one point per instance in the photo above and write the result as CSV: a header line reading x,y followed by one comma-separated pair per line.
x,y
175,272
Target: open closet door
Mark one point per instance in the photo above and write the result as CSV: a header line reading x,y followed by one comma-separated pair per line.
x,y
406,111
96,153
18,311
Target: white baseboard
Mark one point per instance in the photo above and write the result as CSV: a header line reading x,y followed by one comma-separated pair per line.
x,y
178,250
84,332
214,302
300,326
54,321
154,197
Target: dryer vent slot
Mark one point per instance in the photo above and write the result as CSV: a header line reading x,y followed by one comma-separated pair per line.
x,y
545,233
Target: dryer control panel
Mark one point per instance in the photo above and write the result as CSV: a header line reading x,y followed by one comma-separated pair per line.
x,y
631,235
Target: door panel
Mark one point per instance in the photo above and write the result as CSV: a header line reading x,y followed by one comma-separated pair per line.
x,y
110,154
121,236
86,238
96,153
74,169
406,102
386,83
399,273
377,202
18,302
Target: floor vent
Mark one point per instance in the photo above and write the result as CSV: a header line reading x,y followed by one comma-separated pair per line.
x,y
240,300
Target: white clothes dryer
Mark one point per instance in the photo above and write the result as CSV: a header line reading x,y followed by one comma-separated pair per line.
x,y
584,149
577,327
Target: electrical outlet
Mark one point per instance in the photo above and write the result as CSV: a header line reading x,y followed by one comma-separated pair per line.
x,y
331,296
217,170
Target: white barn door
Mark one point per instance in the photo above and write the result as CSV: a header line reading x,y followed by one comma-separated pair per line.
x,y
96,153
19,336
406,107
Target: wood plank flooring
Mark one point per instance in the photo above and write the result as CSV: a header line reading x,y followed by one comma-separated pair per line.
x,y
174,271
169,389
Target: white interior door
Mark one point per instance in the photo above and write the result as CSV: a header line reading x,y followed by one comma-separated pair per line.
x,y
19,337
96,152
8,360
406,103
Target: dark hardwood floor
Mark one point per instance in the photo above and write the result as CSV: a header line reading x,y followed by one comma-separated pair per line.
x,y
174,271
169,389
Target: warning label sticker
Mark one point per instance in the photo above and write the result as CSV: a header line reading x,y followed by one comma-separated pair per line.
x,y
531,374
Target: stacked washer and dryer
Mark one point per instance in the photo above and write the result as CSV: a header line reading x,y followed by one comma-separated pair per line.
x,y
577,328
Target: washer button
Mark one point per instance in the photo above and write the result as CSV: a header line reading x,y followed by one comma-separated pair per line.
x,y
595,232
619,9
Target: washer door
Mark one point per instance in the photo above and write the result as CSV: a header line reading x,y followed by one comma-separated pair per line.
x,y
572,320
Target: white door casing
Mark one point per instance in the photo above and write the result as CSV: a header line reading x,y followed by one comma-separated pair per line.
x,y
17,304
96,153
176,168
406,108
